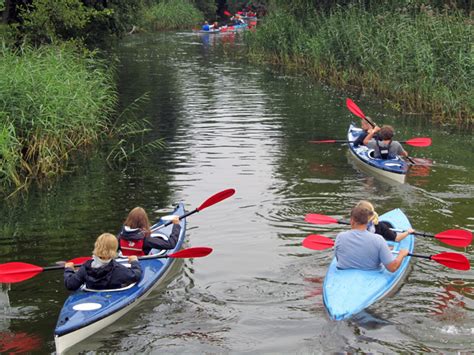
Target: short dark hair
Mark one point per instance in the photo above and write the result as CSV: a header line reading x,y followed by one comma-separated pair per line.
x,y
386,132
361,215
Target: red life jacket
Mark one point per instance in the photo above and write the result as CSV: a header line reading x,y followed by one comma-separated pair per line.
x,y
132,247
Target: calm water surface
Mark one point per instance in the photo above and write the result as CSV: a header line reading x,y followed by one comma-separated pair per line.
x,y
230,124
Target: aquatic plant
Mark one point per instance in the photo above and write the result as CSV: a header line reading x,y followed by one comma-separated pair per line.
x,y
172,15
422,62
53,100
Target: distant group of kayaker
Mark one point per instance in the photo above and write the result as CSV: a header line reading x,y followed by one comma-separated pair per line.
x,y
233,21
134,239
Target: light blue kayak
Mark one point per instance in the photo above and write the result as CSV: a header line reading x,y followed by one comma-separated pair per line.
x,y
86,312
347,292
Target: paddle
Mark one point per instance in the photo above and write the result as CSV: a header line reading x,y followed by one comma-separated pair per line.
x,y
17,271
358,112
415,142
455,237
218,197
451,260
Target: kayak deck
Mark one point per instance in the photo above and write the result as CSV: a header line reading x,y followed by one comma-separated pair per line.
x,y
347,292
84,312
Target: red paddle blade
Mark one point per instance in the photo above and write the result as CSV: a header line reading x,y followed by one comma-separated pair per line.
x,y
319,219
419,142
80,260
218,197
354,108
452,260
195,252
317,242
16,272
227,13
455,237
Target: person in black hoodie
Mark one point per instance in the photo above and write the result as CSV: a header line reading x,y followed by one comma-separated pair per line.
x,y
135,236
103,272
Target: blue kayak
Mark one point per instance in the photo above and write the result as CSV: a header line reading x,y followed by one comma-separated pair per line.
x,y
234,28
394,169
212,30
87,311
347,292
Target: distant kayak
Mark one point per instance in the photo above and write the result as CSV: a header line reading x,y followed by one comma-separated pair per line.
x,y
212,30
234,28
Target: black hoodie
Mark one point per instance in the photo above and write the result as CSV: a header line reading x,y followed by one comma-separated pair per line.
x,y
110,276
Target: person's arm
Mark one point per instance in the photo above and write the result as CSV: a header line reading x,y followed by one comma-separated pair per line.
x,y
394,265
399,149
135,269
74,280
401,236
371,134
360,139
160,243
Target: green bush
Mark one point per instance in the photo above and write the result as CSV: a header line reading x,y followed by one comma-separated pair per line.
x,y
422,60
173,15
53,100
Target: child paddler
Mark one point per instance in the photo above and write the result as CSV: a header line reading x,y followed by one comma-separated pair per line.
x,y
103,272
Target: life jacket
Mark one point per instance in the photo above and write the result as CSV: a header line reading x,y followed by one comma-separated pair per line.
x,y
131,247
132,241
206,27
384,151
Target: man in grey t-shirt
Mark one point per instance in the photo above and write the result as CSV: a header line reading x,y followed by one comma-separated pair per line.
x,y
385,148
361,249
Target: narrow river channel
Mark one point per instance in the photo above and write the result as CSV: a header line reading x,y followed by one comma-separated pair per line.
x,y
230,124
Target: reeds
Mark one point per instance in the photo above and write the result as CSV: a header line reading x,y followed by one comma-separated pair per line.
x,y
53,101
172,15
423,62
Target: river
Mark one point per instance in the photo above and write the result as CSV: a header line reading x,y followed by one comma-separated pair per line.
x,y
231,124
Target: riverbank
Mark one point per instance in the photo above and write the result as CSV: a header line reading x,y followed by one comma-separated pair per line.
x,y
420,62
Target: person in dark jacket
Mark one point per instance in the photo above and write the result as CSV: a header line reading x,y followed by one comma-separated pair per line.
x,y
135,237
382,228
103,272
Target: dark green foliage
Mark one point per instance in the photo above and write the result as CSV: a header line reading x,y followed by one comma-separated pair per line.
x,y
172,15
422,59
207,7
53,101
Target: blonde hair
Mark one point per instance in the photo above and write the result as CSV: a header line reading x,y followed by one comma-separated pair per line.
x,y
370,207
137,218
106,246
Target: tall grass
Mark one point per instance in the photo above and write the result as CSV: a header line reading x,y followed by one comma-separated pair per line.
x,y
172,15
423,62
53,101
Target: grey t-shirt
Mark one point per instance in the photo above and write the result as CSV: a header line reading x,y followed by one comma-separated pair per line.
x,y
364,250
394,150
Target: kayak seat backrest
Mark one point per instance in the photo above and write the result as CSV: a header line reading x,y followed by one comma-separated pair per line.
x,y
84,288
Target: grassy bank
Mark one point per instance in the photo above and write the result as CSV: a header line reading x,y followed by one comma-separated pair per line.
x,y
172,15
53,101
420,62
